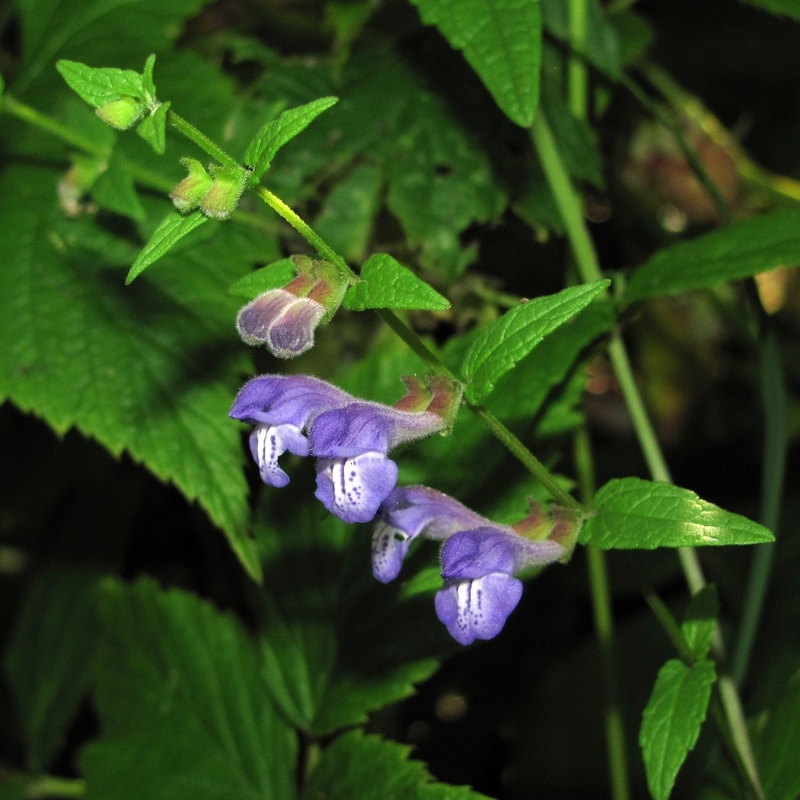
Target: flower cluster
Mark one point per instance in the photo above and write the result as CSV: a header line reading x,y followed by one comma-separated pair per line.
x,y
349,437
479,557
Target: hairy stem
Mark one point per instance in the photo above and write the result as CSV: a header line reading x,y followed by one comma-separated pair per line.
x,y
201,140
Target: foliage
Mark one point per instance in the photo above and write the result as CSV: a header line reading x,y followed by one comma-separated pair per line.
x,y
577,272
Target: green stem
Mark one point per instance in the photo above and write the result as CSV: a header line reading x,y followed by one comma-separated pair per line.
x,y
571,212
604,629
201,140
577,72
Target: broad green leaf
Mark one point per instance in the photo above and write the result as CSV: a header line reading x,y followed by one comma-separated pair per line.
x,y
777,745
184,711
115,191
100,85
349,211
336,644
633,513
739,251
499,347
277,132
700,620
501,40
273,276
367,767
49,657
788,8
386,283
672,720
153,128
171,230
150,369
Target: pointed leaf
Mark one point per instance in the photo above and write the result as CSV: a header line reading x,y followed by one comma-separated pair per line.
x,y
183,708
277,132
367,767
499,347
701,620
386,283
49,657
153,128
739,251
672,720
171,230
101,85
633,513
147,77
501,40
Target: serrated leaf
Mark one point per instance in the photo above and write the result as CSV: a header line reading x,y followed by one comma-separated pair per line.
x,y
788,8
739,251
672,720
273,276
151,369
501,40
49,657
153,128
386,283
371,768
777,745
348,213
183,708
634,513
171,230
700,620
114,189
100,85
277,132
499,347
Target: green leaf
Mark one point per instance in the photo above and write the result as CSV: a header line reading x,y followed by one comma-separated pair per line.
x,y
633,513
277,132
672,720
348,213
386,283
501,40
153,128
788,8
100,85
183,708
370,768
150,369
739,251
273,276
499,347
147,78
49,657
114,189
700,620
777,745
171,230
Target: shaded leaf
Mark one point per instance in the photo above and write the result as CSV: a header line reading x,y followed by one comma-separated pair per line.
x,y
788,8
183,708
501,40
114,190
672,720
700,620
738,251
153,128
273,276
499,347
386,283
634,513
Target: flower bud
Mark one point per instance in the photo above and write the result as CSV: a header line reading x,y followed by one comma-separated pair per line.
x,y
192,190
226,189
122,113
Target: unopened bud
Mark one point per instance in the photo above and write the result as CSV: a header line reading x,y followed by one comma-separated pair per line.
x,y
121,113
192,190
227,188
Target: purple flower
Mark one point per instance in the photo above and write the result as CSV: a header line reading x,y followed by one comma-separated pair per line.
x,y
354,475
280,406
480,591
411,511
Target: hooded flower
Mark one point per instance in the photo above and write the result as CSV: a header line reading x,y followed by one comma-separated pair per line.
x,y
480,591
280,407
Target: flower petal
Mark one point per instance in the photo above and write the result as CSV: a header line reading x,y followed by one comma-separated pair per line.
x,y
354,488
477,609
267,442
255,320
292,332
389,548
